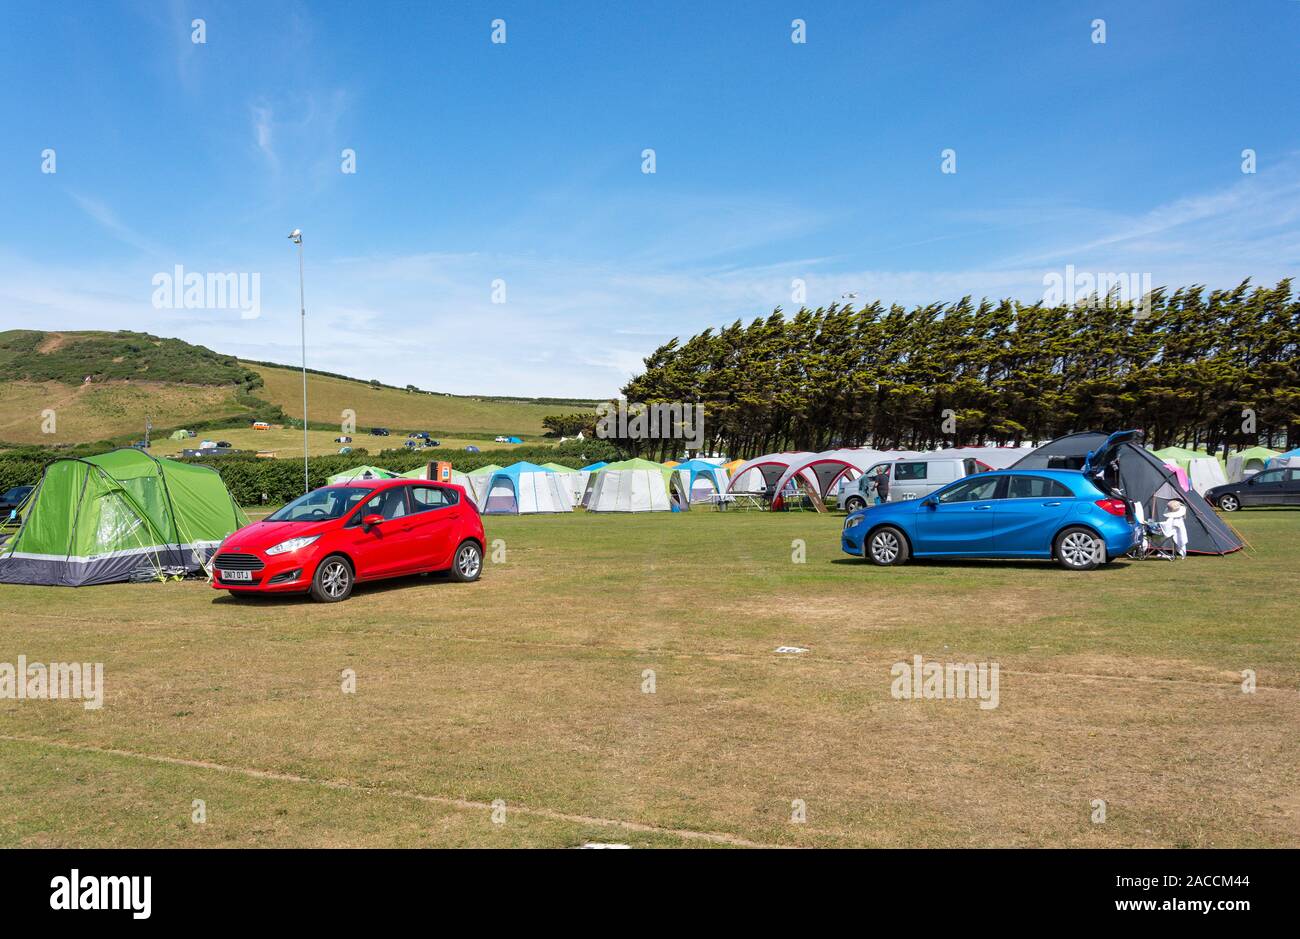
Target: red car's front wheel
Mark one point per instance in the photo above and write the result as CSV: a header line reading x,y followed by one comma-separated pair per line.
x,y
333,580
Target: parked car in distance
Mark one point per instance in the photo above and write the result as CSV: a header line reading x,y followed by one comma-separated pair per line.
x,y
500,439
325,542
1063,515
12,498
379,431
225,443
914,478
345,449
1279,486
343,439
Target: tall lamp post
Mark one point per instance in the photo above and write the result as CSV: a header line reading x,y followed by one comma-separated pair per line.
x,y
296,237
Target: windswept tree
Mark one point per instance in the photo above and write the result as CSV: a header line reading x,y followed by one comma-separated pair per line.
x,y
1199,368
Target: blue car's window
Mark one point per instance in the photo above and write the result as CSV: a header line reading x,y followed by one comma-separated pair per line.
x,y
1037,487
973,490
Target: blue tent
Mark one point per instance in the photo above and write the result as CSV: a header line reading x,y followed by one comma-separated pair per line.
x,y
524,488
1290,458
594,466
471,449
513,440
702,478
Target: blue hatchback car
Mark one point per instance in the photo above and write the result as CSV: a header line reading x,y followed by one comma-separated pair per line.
x,y
1063,515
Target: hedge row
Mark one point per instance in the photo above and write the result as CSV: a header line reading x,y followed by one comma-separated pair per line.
x,y
248,478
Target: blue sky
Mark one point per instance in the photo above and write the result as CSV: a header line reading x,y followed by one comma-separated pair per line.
x,y
522,162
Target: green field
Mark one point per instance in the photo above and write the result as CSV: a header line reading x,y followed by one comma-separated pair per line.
x,y
445,415
1122,685
138,378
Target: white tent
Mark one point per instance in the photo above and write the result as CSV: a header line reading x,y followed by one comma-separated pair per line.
x,y
993,457
762,473
1248,462
525,488
830,471
1205,473
631,486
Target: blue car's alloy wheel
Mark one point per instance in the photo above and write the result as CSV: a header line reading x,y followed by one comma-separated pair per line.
x,y
1079,549
887,546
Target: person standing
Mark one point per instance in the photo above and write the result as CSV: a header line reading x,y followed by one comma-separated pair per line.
x,y
882,485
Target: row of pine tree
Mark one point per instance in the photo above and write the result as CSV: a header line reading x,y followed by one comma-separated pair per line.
x,y
1212,369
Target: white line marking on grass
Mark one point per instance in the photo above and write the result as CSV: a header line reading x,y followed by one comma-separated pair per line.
x,y
468,804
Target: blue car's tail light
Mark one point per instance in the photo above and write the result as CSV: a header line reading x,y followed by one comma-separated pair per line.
x,y
1116,507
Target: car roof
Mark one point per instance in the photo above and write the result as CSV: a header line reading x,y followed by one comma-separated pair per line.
x,y
1012,471
386,483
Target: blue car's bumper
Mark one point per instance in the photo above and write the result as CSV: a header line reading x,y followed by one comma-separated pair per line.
x,y
851,542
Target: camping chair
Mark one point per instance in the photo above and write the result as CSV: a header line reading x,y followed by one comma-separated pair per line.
x,y
1153,543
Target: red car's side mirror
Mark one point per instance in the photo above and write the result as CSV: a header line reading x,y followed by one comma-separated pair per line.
x,y
370,521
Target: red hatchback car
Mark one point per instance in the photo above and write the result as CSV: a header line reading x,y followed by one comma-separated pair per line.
x,y
326,541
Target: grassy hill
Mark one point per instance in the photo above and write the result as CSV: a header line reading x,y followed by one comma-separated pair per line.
x,y
446,415
136,376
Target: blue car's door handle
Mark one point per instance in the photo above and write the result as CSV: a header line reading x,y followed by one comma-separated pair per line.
x,y
981,508
1051,503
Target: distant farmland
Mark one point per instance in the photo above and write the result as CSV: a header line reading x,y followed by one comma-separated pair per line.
x,y
136,377
403,410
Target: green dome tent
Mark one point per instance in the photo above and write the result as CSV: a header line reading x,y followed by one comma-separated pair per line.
x,y
96,520
360,472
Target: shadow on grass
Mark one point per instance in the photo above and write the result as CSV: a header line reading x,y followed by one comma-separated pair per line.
x,y
386,585
968,563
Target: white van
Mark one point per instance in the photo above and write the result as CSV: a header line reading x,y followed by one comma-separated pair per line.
x,y
912,479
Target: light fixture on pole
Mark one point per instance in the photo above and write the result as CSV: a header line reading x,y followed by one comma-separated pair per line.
x,y
296,237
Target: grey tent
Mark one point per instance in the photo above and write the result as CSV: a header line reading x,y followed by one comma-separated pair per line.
x,y
1122,461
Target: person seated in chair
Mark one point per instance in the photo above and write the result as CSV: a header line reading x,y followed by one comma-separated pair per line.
x,y
1174,525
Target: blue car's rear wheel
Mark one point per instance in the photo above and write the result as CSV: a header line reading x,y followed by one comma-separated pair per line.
x,y
1080,549
886,546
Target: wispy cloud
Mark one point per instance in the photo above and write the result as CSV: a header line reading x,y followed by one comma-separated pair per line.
x,y
263,128
107,219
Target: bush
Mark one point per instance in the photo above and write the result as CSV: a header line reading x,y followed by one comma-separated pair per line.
x,y
247,477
